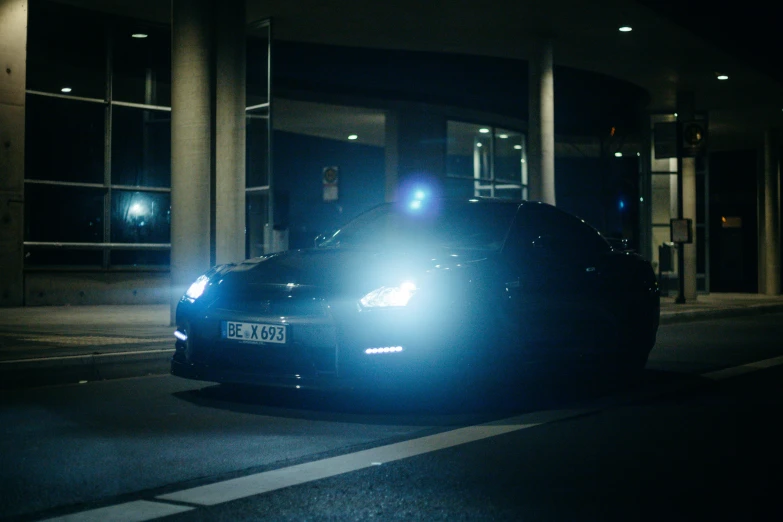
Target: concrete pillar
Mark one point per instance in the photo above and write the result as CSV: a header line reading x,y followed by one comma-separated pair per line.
x,y
770,263
541,123
391,151
230,132
191,142
13,62
689,212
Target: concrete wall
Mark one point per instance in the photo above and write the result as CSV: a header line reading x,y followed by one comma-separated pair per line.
x,y
13,44
94,288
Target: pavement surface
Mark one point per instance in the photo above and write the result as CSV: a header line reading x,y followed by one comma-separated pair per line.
x,y
100,342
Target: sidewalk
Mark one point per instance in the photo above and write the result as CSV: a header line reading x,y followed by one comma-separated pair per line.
x,y
88,342
717,305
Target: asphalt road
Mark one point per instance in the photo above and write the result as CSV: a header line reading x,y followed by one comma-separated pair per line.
x,y
698,438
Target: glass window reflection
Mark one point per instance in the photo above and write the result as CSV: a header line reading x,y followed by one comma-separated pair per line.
x,y
63,214
257,151
141,63
140,217
64,140
141,147
66,47
139,258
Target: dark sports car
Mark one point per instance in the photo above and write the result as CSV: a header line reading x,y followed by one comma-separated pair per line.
x,y
421,288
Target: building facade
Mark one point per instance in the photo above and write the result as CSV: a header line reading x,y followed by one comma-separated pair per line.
x,y
153,149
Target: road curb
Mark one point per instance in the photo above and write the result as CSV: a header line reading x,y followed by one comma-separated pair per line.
x,y
89,367
685,316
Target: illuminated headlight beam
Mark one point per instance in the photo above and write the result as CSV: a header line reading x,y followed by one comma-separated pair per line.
x,y
389,296
384,349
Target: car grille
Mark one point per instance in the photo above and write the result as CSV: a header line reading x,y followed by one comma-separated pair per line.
x,y
264,302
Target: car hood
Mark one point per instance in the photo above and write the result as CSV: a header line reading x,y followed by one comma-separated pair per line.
x,y
347,271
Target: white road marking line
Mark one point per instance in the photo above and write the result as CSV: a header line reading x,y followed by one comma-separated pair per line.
x,y
727,373
251,485
136,511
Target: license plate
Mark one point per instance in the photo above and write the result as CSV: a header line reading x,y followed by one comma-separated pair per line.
x,y
253,332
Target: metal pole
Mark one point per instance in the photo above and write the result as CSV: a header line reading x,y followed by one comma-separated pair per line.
x,y
680,299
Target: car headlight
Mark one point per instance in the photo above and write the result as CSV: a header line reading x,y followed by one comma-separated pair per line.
x,y
197,288
389,296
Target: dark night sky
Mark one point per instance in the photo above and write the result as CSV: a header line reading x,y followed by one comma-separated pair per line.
x,y
748,30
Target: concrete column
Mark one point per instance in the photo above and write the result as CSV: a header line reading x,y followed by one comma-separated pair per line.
x,y
689,212
541,123
771,216
391,151
230,132
191,140
13,62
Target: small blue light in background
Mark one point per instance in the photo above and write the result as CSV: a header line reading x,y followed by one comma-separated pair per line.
x,y
621,205
419,194
415,204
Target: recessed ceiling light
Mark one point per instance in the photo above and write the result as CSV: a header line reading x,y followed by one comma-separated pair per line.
x,y
479,145
139,35
723,77
626,29
65,89
353,137
483,131
518,147
502,136
618,154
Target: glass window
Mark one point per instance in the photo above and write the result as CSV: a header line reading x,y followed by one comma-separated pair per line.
x,y
63,214
257,216
66,48
140,217
494,158
257,66
509,155
257,156
64,140
141,147
46,256
139,258
662,197
469,150
141,63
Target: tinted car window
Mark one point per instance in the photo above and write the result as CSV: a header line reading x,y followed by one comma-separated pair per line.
x,y
456,225
548,229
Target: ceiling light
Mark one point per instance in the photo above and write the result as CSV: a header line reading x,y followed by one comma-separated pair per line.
x,y
65,89
138,35
626,29
723,77
518,147
353,137
618,154
483,131
675,114
502,136
479,145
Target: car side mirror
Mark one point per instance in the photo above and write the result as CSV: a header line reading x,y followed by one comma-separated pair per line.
x,y
620,244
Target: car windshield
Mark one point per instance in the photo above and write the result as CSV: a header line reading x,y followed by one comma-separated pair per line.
x,y
444,224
